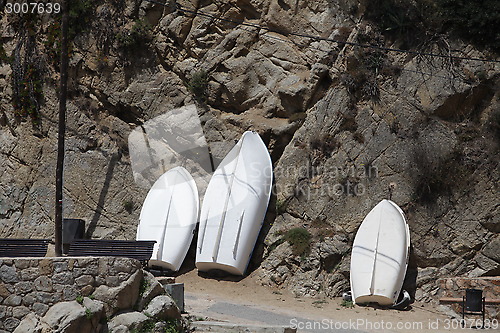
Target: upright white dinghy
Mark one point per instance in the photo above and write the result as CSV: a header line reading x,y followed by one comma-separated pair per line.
x,y
380,255
234,207
169,215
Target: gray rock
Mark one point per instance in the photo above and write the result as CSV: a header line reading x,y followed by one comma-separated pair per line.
x,y
20,311
11,323
492,249
32,323
40,309
43,283
13,300
8,274
153,289
163,307
70,317
128,320
122,297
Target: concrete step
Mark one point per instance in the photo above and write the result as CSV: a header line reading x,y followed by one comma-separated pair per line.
x,y
222,327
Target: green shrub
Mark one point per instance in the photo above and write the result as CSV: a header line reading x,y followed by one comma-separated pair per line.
x,y
27,87
411,22
129,206
198,84
325,144
281,206
476,21
137,36
347,304
300,240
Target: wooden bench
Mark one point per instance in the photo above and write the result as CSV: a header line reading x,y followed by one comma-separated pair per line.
x,y
140,250
11,247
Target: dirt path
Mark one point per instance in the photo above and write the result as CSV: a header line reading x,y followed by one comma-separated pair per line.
x,y
244,301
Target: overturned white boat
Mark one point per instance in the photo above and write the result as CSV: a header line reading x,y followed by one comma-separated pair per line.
x,y
380,255
169,216
234,207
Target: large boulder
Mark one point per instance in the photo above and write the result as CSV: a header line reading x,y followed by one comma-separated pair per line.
x,y
150,289
163,307
32,323
121,297
66,317
127,321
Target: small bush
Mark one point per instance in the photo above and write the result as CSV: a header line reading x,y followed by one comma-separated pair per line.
x,y
79,299
281,206
411,22
359,137
438,179
325,144
27,85
347,304
198,84
143,286
137,36
129,206
476,21
300,240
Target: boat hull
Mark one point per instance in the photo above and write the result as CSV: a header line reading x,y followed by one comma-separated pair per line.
x,y
234,207
169,216
380,255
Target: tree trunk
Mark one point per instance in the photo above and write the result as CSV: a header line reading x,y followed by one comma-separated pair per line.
x,y
62,130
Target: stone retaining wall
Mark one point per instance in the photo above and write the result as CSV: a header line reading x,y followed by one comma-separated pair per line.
x,y
30,285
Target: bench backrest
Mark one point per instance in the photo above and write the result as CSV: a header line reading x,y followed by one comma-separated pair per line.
x,y
140,250
11,247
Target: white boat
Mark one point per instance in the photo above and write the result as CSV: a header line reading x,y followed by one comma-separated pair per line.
x,y
380,255
234,207
168,216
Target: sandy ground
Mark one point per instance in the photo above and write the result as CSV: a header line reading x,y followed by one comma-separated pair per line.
x,y
235,300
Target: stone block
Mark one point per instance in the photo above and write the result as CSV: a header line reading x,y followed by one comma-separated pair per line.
x,y
176,291
29,274
84,280
43,283
40,309
60,267
22,263
46,267
23,287
65,278
20,311
87,290
11,323
13,300
8,274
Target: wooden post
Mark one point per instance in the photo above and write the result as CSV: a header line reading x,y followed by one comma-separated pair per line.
x,y
62,130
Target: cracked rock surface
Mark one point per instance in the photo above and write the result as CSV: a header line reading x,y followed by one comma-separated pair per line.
x,y
346,127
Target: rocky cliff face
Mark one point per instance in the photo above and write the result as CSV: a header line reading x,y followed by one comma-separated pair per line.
x,y
346,127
